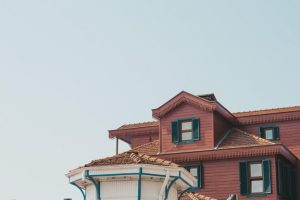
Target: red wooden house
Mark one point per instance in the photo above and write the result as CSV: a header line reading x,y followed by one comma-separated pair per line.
x,y
250,154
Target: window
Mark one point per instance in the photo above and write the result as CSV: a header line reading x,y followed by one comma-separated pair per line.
x,y
197,172
185,130
255,177
269,132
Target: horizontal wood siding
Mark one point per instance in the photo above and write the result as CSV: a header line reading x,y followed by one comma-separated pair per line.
x,y
186,111
221,126
143,139
289,134
221,178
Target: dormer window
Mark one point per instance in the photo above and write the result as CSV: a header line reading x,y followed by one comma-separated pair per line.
x,y
185,130
269,132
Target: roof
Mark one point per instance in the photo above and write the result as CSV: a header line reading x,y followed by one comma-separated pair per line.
x,y
201,103
139,125
196,196
130,158
267,111
151,148
237,138
140,154
209,97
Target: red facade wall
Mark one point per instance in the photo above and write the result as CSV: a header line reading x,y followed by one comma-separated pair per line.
x,y
221,126
221,178
186,111
289,134
143,139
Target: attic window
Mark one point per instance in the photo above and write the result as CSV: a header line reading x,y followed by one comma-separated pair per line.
x,y
269,132
185,130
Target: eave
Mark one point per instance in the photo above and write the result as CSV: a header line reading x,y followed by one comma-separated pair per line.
x,y
269,118
229,153
198,102
126,134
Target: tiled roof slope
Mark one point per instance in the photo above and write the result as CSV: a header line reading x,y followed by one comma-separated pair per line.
x,y
267,111
151,148
130,158
238,138
196,196
139,125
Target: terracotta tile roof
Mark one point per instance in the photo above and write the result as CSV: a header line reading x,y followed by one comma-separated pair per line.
x,y
196,196
139,125
130,158
267,111
238,138
151,148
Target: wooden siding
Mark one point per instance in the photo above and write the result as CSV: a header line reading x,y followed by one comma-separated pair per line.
x,y
221,126
143,139
185,111
221,178
289,134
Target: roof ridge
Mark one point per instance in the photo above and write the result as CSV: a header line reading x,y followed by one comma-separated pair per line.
x,y
142,145
253,136
146,123
223,138
266,109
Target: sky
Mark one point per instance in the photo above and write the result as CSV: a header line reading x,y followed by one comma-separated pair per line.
x,y
71,70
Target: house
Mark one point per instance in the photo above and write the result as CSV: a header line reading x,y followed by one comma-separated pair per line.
x,y
245,155
251,154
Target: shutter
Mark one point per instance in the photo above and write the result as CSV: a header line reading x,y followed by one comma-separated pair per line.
x,y
261,130
279,177
200,176
244,178
293,183
196,129
276,135
175,132
289,179
266,165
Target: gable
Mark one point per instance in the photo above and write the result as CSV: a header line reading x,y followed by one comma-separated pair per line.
x,y
200,102
181,112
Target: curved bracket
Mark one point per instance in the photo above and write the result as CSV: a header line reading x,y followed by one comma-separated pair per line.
x,y
184,191
81,190
96,184
169,187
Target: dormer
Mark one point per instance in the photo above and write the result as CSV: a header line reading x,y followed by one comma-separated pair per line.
x,y
189,122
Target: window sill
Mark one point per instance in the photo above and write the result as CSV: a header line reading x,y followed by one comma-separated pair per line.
x,y
257,195
185,142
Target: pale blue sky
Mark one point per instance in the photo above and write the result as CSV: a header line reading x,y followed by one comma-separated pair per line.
x,y
70,70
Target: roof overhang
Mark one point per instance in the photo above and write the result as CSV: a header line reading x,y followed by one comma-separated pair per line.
x,y
230,153
269,118
200,103
117,172
127,134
